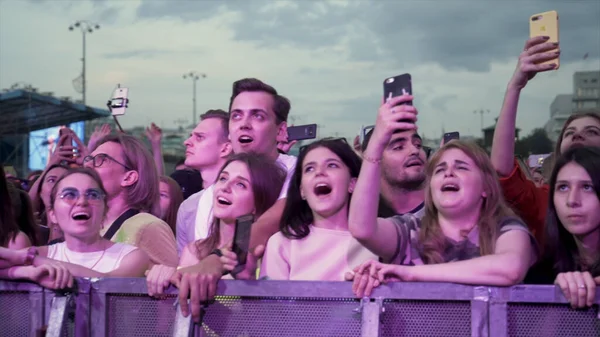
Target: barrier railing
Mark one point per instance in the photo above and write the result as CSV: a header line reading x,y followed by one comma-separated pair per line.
x,y
121,307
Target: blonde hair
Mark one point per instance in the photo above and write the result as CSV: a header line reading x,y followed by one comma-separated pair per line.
x,y
493,209
143,195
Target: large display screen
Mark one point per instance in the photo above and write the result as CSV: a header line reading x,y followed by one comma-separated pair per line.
x,y
41,141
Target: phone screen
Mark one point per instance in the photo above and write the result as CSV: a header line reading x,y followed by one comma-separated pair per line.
x,y
241,237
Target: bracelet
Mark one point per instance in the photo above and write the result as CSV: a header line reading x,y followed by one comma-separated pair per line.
x,y
32,252
217,252
372,160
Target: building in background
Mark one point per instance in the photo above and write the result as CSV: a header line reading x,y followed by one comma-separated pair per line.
x,y
585,98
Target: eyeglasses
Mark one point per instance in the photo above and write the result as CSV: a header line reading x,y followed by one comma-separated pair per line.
x,y
326,139
99,159
71,195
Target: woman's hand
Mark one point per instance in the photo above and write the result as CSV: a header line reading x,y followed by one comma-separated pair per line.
x,y
372,273
536,51
579,288
158,278
245,272
97,135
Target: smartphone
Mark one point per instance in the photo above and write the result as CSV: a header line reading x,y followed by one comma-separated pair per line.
x,y
69,139
448,136
364,130
397,86
118,102
301,132
545,24
241,237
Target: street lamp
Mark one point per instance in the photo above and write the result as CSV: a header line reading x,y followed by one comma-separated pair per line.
x,y
85,27
195,77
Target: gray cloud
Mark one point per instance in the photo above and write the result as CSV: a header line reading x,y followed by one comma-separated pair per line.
x,y
145,53
457,35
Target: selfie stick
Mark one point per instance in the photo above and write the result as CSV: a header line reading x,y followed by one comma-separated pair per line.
x,y
108,104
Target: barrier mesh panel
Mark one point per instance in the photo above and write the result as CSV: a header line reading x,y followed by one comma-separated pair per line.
x,y
528,320
15,311
235,316
426,318
139,315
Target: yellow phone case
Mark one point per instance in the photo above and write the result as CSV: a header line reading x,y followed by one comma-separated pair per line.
x,y
545,24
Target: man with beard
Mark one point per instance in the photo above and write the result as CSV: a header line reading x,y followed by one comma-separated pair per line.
x,y
402,167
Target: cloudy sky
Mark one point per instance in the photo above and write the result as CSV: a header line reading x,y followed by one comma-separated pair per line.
x,y
328,57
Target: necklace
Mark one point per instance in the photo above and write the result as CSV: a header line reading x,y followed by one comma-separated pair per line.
x,y
94,265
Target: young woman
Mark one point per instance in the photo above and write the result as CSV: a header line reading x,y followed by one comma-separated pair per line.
x,y
171,198
247,184
10,235
40,197
529,201
78,206
467,235
572,243
314,243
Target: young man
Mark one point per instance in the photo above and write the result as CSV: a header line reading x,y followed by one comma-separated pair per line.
x,y
258,118
206,151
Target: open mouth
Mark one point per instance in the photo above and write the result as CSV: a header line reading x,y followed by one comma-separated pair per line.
x,y
413,163
450,188
245,139
322,189
81,216
223,201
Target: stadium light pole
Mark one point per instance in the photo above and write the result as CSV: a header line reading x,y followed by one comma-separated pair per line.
x,y
195,77
85,27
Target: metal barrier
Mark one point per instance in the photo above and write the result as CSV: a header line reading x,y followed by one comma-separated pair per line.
x,y
120,307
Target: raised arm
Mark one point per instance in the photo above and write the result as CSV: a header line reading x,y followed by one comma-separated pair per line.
x,y
536,50
154,134
378,235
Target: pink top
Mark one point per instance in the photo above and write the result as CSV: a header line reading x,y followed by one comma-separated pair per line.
x,y
324,255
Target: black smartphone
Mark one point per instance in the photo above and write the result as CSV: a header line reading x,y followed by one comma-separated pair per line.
x,y
68,140
301,132
448,136
397,86
241,237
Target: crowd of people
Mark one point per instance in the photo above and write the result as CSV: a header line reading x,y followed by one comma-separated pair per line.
x,y
387,210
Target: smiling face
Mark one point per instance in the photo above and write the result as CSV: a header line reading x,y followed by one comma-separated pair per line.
x,y
253,124
457,183
326,182
576,201
79,206
233,195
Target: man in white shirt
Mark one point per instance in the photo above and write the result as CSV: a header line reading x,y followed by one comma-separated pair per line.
x,y
206,150
258,118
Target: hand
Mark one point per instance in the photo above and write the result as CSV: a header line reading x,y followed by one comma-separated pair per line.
x,y
158,278
154,134
373,273
48,276
82,150
199,283
248,271
62,152
97,135
391,117
286,146
536,51
579,288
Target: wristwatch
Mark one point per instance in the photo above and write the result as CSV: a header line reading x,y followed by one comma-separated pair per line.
x,y
32,252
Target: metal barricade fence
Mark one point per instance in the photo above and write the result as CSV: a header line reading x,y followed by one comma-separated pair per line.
x,y
120,307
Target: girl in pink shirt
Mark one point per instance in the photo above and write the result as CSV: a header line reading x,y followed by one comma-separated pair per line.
x,y
314,243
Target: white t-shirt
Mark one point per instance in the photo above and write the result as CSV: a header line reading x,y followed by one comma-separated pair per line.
x,y
324,255
204,214
102,261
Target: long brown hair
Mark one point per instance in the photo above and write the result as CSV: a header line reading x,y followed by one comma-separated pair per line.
x,y
493,209
267,180
8,225
175,200
594,115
